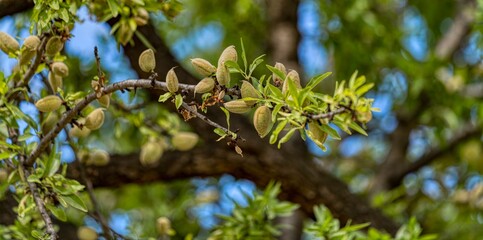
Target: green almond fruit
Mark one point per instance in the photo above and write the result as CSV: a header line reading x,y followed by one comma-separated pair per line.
x,y
203,67
184,141
8,44
262,120
49,103
95,119
147,61
237,106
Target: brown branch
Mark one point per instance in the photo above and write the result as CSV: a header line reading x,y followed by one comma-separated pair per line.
x,y
9,7
468,132
461,26
40,205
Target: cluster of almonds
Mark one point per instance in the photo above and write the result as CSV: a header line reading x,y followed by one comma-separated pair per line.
x,y
153,149
96,157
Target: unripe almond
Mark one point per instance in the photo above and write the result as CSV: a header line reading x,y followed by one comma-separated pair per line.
x,y
184,141
60,69
172,81
3,175
147,61
203,67
8,44
237,106
316,134
205,85
50,122
364,117
163,226
276,79
291,76
55,81
248,91
95,119
151,153
262,120
294,75
142,17
86,233
124,34
105,100
31,43
49,103
222,75
229,54
98,157
77,132
54,45
26,56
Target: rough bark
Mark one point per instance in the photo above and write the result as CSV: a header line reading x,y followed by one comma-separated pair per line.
x,y
303,181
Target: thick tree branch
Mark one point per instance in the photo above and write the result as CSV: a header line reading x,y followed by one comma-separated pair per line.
x,y
9,7
303,181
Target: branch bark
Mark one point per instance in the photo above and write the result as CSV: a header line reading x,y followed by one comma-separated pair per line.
x,y
303,181
460,28
466,133
9,7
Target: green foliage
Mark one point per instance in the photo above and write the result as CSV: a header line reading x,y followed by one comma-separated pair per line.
x,y
327,228
256,219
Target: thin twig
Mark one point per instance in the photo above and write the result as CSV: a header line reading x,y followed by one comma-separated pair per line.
x,y
40,205
329,115
90,191
207,120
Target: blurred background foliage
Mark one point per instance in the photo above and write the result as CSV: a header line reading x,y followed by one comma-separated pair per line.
x,y
392,42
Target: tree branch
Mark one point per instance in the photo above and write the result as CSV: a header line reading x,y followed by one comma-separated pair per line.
x,y
40,205
468,132
453,38
9,7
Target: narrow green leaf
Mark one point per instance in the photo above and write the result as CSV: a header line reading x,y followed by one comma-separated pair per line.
x,y
227,114
164,97
243,55
58,212
362,90
276,71
286,137
329,130
74,201
278,129
316,80
357,128
178,101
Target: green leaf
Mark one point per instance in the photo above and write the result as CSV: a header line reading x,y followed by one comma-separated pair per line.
x,y
227,114
357,128
275,91
165,97
316,80
332,132
286,137
257,61
276,71
243,55
362,90
178,101
113,6
74,201
352,80
278,129
234,65
275,111
58,212
144,40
